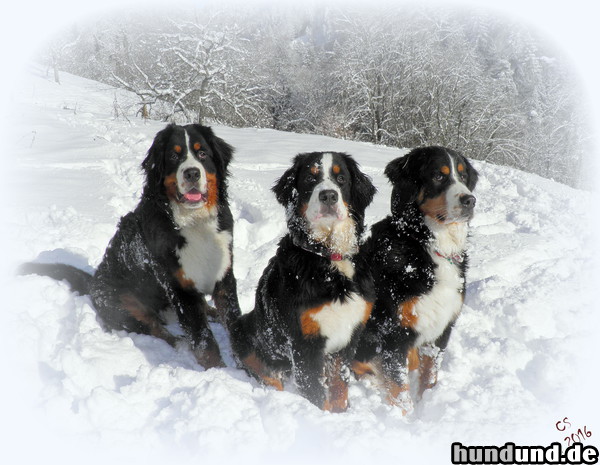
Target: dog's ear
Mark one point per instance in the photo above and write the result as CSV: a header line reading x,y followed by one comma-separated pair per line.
x,y
223,150
363,189
472,175
154,163
285,187
404,177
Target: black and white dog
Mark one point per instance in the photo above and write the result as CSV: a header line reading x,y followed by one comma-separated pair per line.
x,y
418,259
316,294
175,247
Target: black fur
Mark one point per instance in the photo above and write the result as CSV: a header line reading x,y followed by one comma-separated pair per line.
x,y
140,274
399,253
275,339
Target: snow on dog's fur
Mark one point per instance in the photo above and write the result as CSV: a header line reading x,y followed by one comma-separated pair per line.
x,y
315,295
175,247
418,258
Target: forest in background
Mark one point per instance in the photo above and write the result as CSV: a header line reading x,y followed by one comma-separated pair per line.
x,y
405,76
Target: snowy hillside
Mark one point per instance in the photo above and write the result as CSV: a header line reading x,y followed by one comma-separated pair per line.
x,y
513,368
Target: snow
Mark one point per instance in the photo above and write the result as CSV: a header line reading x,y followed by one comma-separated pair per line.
x,y
516,362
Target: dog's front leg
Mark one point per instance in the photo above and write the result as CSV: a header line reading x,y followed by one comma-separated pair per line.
x,y
226,299
430,360
309,374
337,374
395,369
191,308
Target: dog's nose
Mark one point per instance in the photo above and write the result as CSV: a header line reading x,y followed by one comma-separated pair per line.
x,y
191,175
328,197
468,201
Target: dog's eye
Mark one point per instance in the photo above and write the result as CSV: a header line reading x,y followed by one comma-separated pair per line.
x,y
439,177
310,179
341,179
201,155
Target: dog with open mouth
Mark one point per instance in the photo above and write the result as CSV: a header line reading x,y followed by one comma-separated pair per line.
x,y
418,257
315,295
172,250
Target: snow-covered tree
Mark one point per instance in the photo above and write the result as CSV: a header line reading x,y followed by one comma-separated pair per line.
x,y
404,76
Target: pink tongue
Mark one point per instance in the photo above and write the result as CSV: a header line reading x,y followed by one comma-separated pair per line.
x,y
193,196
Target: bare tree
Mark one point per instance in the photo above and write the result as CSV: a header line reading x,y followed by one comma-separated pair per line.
x,y
406,76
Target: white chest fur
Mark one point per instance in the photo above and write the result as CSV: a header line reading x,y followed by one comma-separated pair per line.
x,y
442,304
205,257
338,321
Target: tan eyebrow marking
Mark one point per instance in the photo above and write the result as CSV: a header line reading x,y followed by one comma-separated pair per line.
x,y
461,167
336,169
177,148
314,169
445,170
197,146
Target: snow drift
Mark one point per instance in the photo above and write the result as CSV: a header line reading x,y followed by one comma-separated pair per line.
x,y
514,365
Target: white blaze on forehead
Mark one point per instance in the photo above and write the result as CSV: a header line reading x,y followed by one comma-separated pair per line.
x,y
327,164
454,170
326,169
313,212
331,225
451,166
191,161
188,142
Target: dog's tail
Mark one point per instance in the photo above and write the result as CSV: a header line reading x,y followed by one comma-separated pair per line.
x,y
79,280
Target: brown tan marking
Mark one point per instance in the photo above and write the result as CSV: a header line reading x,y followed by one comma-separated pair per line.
x,y
445,170
177,149
435,207
308,325
394,389
314,170
337,398
303,209
413,359
361,369
209,358
253,363
460,167
132,305
408,318
393,392
170,184
183,279
427,373
368,310
336,169
197,146
211,180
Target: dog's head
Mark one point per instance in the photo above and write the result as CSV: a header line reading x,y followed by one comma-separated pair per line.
x,y
325,195
187,165
438,180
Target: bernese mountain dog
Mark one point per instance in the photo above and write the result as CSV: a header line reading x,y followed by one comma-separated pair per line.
x,y
172,250
316,294
418,259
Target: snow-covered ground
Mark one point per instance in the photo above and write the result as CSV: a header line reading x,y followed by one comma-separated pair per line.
x,y
520,359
